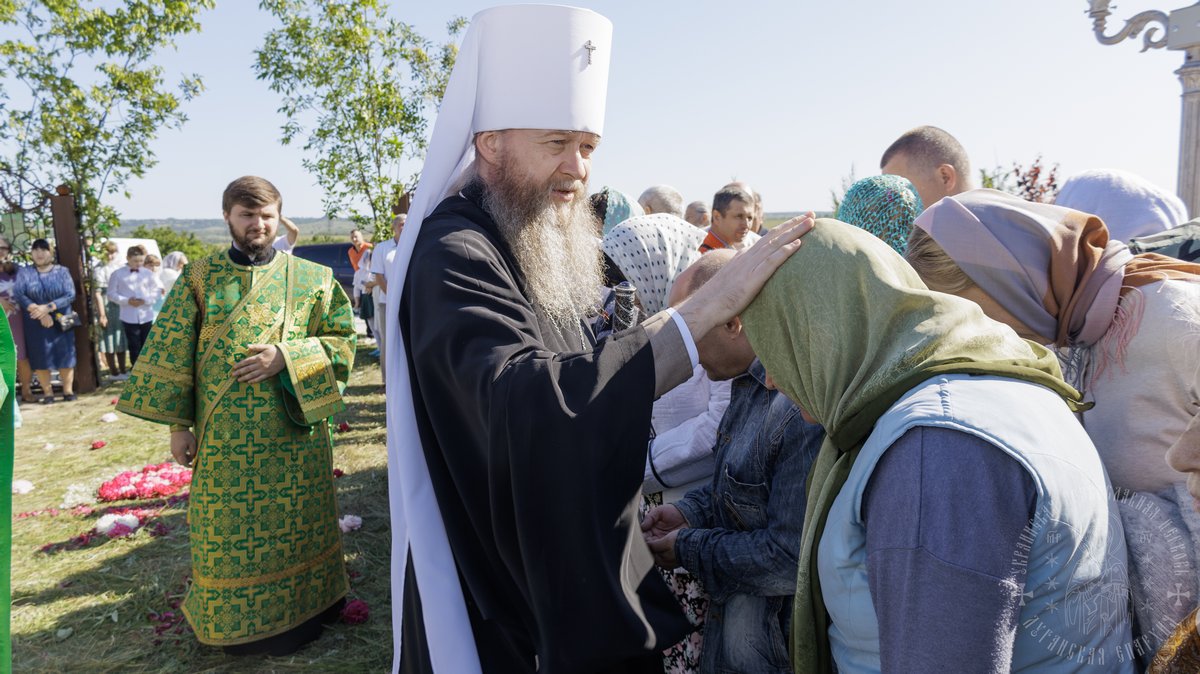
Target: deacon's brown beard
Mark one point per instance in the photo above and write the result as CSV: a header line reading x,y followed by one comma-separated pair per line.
x,y
253,250
554,244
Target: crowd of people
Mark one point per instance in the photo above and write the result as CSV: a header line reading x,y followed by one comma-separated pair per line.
x,y
945,429
948,428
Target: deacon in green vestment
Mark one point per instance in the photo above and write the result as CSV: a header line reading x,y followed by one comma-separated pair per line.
x,y
250,353
8,369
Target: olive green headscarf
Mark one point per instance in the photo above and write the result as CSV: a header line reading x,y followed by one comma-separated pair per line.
x,y
845,328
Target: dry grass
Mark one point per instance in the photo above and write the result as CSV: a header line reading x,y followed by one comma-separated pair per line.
x,y
104,593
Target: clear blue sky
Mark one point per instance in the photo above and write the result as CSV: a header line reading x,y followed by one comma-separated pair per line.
x,y
785,95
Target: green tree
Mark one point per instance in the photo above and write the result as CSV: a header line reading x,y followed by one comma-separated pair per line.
x,y
354,84
171,240
83,100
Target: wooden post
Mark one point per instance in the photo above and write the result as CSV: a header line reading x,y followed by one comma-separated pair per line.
x,y
69,245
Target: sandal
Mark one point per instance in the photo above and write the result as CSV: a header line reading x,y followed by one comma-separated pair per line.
x,y
46,400
69,397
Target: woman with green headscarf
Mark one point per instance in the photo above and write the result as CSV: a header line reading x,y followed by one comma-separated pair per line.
x,y
958,516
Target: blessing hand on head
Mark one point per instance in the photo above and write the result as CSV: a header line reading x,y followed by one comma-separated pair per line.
x,y
733,288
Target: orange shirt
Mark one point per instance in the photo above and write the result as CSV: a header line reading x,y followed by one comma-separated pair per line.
x,y
711,242
356,255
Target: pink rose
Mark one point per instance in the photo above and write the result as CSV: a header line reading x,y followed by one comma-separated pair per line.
x,y
355,612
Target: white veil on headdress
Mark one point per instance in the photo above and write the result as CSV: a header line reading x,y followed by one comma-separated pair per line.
x,y
520,67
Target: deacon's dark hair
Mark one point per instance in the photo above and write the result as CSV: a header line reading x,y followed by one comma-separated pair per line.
x,y
134,251
729,194
928,147
250,191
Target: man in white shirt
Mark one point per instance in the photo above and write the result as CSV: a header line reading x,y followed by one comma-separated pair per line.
x,y
135,290
286,242
381,261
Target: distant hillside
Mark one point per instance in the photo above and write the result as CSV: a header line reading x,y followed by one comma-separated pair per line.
x,y
214,230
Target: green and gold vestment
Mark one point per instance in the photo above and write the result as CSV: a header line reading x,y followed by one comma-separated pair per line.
x,y
265,544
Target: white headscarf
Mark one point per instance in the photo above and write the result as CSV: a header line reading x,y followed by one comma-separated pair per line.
x,y
519,67
1128,204
651,250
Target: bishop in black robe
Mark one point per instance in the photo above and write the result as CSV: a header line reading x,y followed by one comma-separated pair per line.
x,y
536,442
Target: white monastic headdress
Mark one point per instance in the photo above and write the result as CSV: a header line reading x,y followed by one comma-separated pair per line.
x,y
520,67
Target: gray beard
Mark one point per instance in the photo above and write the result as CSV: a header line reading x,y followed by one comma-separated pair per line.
x,y
554,246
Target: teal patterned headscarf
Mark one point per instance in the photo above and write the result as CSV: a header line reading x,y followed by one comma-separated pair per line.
x,y
885,206
619,208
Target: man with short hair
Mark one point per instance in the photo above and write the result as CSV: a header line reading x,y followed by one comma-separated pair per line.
x,y
697,214
381,261
517,441
358,244
135,289
662,199
247,362
932,160
740,533
732,215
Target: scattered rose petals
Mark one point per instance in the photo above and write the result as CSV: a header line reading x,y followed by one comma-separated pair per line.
x,y
343,427
109,418
337,472
153,481
119,530
114,526
355,612
113,401
349,523
97,444
48,447
22,486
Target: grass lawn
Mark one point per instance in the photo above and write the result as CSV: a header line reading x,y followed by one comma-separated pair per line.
x,y
111,605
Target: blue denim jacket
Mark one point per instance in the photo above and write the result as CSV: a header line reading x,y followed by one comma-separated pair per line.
x,y
745,528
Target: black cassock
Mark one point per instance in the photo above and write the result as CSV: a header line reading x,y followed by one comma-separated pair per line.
x,y
536,442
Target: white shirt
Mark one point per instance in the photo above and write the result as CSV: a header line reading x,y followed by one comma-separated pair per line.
x,y
168,278
685,419
125,284
381,260
104,272
282,244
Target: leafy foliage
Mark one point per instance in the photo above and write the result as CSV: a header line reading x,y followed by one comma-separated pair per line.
x,y
88,98
354,85
171,240
837,196
1032,183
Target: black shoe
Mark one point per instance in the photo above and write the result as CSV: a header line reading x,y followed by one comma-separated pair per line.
x,y
69,397
46,400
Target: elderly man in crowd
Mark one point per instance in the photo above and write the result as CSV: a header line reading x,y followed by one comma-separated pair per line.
x,y
517,441
932,160
697,214
662,199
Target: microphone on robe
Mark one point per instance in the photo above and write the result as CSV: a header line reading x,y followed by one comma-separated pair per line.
x,y
625,313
